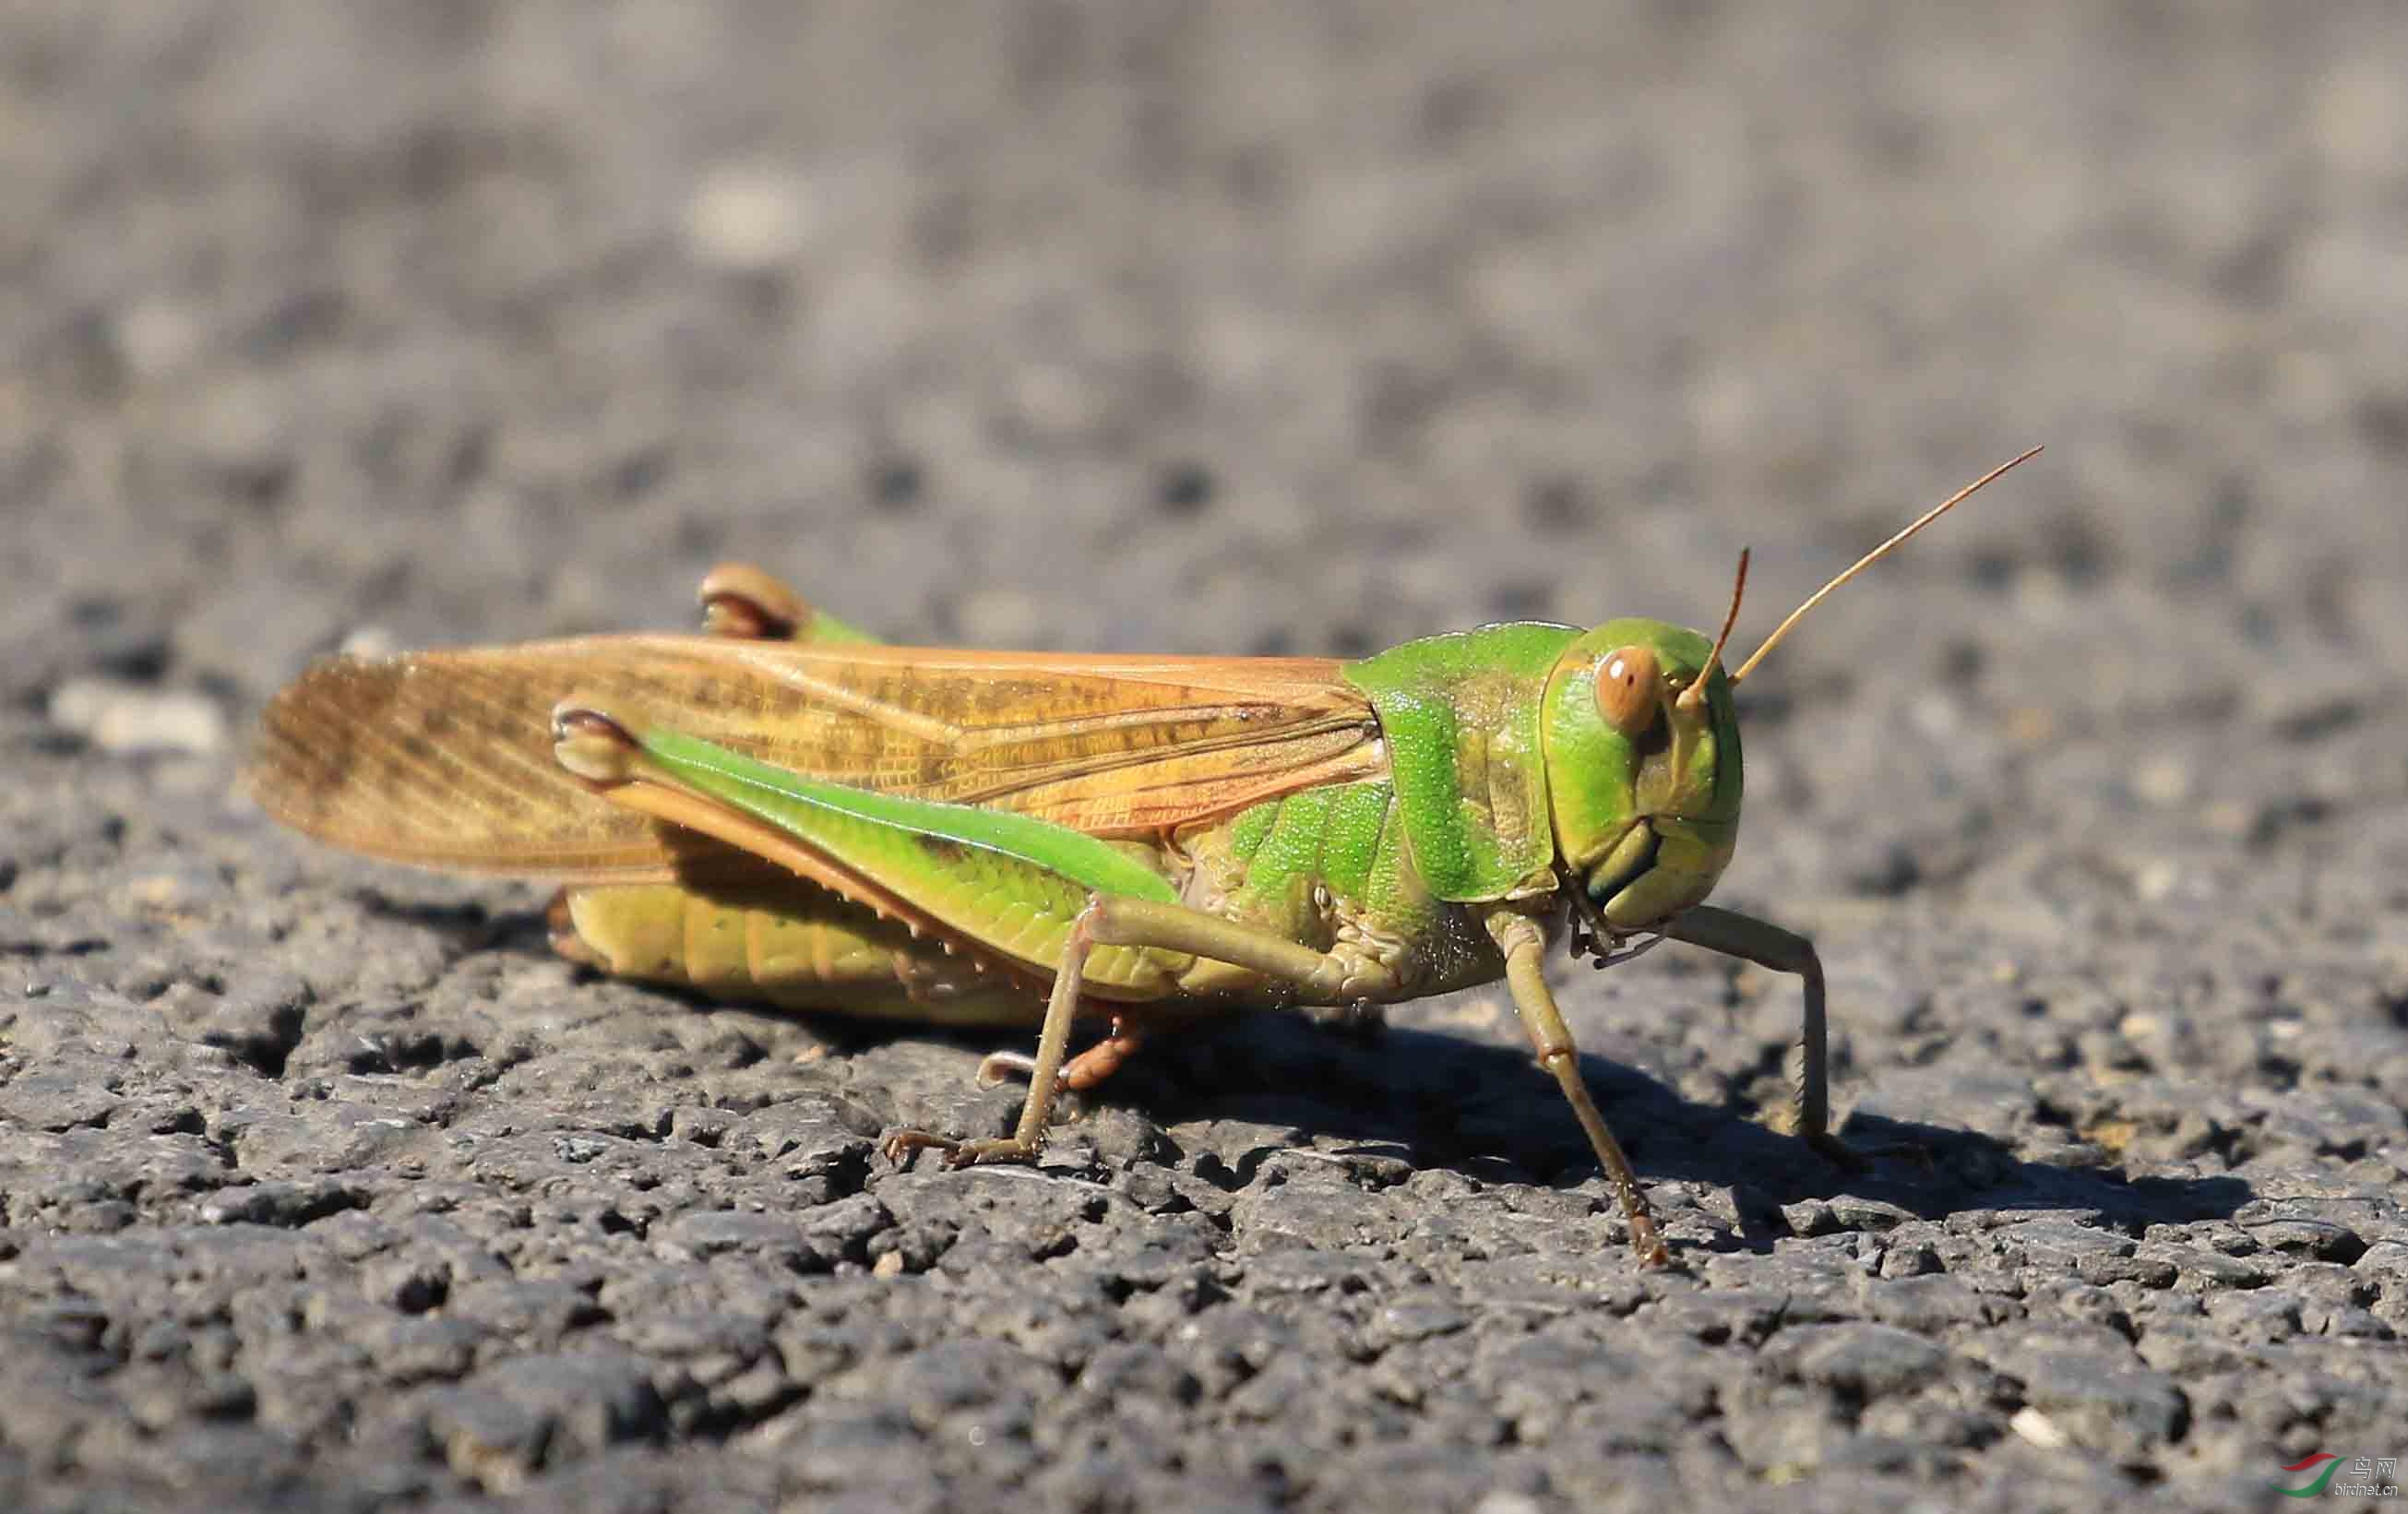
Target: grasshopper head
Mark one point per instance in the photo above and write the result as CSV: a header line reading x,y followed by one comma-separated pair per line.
x,y
1643,770
1643,753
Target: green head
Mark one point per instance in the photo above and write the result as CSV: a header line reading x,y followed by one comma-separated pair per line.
x,y
1643,770
1642,754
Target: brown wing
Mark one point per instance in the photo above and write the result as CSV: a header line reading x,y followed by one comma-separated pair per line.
x,y
444,759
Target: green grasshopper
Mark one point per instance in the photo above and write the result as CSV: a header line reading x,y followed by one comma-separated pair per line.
x,y
783,811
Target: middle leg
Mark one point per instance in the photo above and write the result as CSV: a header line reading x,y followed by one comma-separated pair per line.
x,y
1110,921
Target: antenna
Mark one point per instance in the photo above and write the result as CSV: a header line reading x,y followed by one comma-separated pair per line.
x,y
1874,556
1695,691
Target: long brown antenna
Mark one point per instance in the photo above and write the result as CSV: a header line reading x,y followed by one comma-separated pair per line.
x,y
1874,556
1696,693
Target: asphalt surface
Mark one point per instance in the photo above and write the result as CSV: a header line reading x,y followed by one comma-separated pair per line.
x,y
1244,329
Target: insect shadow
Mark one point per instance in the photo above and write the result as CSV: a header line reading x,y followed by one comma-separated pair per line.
x,y
1478,1106
1484,1110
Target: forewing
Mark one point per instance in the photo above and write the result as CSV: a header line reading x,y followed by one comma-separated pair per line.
x,y
444,759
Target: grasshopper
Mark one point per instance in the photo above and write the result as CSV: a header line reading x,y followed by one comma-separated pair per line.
x,y
782,809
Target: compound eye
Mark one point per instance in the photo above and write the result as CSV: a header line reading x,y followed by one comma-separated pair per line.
x,y
1630,690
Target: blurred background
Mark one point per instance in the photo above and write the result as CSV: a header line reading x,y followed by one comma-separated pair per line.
x,y
1214,327
1260,328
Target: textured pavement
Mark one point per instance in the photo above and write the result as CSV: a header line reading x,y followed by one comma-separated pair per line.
x,y
1239,329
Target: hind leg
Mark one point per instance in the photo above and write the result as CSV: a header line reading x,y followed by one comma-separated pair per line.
x,y
1087,1070
752,603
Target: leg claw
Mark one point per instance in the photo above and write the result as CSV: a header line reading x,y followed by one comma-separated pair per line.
x,y
902,1143
994,1149
899,1144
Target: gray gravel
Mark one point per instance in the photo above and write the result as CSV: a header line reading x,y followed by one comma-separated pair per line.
x,y
1248,329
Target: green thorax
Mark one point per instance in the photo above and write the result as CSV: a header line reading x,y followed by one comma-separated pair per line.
x,y
1461,714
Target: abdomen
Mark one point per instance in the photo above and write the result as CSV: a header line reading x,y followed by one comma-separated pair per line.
x,y
788,944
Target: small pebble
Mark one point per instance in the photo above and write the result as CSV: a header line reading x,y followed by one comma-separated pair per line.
x,y
118,716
